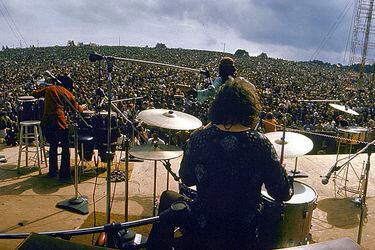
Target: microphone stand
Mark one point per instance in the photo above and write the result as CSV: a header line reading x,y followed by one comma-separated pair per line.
x,y
127,235
78,203
93,57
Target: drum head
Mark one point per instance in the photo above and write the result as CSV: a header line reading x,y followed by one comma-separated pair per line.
x,y
302,194
105,113
26,98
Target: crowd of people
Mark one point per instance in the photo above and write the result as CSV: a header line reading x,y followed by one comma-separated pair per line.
x,y
243,90
282,85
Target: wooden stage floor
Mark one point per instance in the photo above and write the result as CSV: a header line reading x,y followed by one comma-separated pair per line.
x,y
27,202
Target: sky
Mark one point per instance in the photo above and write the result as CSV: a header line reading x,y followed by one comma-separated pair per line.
x,y
288,29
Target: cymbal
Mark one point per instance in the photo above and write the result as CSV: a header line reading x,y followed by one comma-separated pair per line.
x,y
343,108
169,119
156,153
349,130
294,145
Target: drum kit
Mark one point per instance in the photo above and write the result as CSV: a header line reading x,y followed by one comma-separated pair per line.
x,y
156,151
294,230
286,224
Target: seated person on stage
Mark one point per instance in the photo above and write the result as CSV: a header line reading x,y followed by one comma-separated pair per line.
x,y
341,122
228,161
270,123
55,124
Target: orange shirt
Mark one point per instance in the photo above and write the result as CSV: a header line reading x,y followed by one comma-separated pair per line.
x,y
270,125
54,108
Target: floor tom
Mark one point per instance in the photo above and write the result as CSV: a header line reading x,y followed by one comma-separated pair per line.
x,y
286,224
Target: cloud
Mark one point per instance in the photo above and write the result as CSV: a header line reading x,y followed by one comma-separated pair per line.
x,y
269,25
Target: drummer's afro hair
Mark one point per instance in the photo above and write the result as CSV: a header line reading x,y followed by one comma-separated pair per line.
x,y
237,102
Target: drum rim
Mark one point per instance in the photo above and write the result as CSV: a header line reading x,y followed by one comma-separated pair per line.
x,y
270,199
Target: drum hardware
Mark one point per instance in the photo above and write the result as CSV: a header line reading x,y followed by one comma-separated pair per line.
x,y
288,223
295,144
169,119
320,100
156,152
113,230
341,173
292,146
128,99
93,57
77,203
363,187
344,108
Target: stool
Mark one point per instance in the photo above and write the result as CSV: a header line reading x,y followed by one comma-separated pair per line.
x,y
31,130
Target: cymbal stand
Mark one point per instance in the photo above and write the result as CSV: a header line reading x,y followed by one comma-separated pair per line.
x,y
283,139
340,178
167,165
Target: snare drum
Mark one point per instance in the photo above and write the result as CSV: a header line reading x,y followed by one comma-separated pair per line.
x,y
288,223
349,134
362,133
27,108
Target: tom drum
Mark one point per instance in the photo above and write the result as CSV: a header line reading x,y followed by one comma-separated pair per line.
x,y
286,224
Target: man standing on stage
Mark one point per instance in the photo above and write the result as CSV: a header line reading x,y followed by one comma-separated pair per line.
x,y
55,123
226,69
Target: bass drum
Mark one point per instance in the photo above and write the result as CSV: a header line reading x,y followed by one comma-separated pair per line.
x,y
288,224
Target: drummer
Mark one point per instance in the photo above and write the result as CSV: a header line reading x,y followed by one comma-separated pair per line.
x,y
228,162
341,121
55,124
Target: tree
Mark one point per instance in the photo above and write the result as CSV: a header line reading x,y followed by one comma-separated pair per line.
x,y
160,46
241,53
263,55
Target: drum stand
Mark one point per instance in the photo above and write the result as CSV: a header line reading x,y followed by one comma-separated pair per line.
x,y
340,178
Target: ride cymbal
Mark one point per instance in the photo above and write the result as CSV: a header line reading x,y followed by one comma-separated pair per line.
x,y
169,119
294,145
343,108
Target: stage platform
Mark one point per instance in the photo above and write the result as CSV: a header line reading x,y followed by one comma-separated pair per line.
x,y
27,201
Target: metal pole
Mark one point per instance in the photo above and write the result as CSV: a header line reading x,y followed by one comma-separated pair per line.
x,y
109,153
363,199
127,145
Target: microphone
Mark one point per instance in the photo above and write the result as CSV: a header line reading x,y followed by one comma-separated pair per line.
x,y
205,72
325,179
93,57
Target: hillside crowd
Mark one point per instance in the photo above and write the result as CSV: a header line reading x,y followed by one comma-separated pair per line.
x,y
282,85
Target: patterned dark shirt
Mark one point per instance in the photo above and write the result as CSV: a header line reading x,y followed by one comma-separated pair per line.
x,y
229,169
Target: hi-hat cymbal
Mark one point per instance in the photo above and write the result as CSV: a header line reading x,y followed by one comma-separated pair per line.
x,y
169,119
294,145
343,108
156,153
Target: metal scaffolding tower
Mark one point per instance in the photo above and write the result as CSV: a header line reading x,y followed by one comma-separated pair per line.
x,y
363,36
